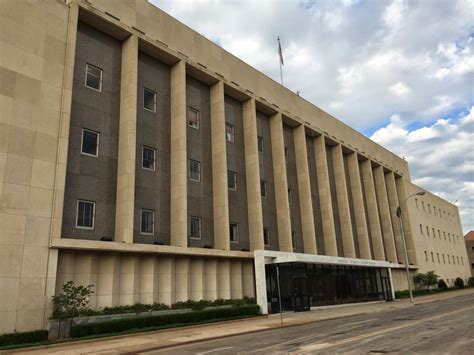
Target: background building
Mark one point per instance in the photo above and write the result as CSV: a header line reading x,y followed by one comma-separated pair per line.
x,y
138,156
469,240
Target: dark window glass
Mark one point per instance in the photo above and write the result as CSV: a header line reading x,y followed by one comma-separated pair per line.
x,y
263,188
147,222
260,144
234,232
148,161
85,214
229,132
266,236
90,142
93,77
194,170
149,100
193,118
232,180
195,228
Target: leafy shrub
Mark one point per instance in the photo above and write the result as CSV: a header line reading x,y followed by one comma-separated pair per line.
x,y
198,305
442,285
71,301
459,283
470,282
24,337
164,320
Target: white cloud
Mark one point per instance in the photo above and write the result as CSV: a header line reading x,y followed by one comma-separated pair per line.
x,y
400,89
440,156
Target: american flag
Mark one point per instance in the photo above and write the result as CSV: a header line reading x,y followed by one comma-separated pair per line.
x,y
280,52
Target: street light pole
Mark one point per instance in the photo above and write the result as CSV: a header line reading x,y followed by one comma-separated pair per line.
x,y
407,268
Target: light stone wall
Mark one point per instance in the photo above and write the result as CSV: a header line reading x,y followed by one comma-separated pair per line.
x,y
449,240
129,278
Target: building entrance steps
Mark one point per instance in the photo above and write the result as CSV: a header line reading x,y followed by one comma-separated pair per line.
x,y
140,342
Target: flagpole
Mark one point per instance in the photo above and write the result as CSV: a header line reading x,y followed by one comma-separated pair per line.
x,y
279,60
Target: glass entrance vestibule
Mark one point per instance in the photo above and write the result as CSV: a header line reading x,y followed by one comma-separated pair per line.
x,y
305,285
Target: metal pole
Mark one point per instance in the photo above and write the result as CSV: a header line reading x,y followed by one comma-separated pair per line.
x,y
406,255
280,56
281,74
279,294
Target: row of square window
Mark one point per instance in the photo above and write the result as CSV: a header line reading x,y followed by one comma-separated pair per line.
x,y
434,209
444,259
85,218
455,238
94,81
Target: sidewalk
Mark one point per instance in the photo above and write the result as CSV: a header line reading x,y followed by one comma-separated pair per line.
x,y
179,336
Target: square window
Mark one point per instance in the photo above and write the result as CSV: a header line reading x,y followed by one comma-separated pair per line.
x,y
234,232
232,180
195,227
148,158
85,214
147,222
93,77
193,118
194,170
266,236
149,100
263,188
260,143
90,143
229,132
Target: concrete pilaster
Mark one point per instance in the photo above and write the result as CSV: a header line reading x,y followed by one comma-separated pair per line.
x,y
210,270
178,205
166,280
372,209
327,217
393,204
384,211
281,183
402,195
85,273
219,168
343,202
127,142
304,189
129,280
248,279
223,279
236,286
149,279
107,289
197,279
359,208
252,174
182,281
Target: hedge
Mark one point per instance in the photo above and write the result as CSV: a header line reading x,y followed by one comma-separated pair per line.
x,y
23,337
121,325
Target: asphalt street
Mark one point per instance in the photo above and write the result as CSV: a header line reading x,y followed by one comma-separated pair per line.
x,y
445,327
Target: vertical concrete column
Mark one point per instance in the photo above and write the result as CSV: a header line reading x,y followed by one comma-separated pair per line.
x,y
329,231
372,209
393,204
210,269
179,198
148,279
220,196
64,123
223,279
183,281
304,190
197,279
108,281
127,142
359,207
343,202
85,273
166,280
252,174
236,285
248,279
402,195
281,183
129,280
66,267
384,211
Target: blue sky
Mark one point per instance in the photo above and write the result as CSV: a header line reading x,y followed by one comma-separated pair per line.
x,y
401,72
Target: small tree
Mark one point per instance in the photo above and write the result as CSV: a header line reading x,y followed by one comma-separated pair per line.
x,y
70,302
419,279
429,279
459,283
442,285
470,282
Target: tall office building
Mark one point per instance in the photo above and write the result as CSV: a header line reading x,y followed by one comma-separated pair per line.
x,y
140,157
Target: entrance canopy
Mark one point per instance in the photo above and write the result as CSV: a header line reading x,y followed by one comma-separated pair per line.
x,y
265,259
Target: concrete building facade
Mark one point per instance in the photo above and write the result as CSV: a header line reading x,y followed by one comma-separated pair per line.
x,y
140,157
469,241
